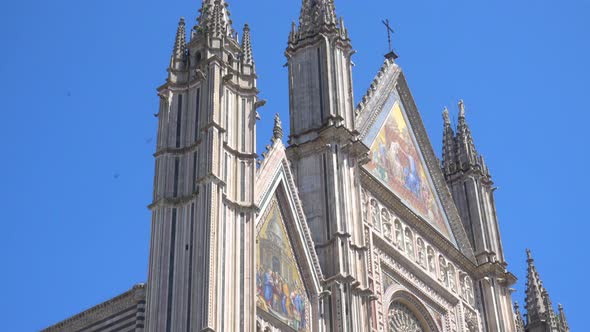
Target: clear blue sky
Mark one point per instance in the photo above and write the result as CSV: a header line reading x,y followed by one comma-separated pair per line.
x,y
77,130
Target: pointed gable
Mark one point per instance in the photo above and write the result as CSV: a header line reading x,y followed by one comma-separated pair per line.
x,y
287,268
401,157
280,288
397,162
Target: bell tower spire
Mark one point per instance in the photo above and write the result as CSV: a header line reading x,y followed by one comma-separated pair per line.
x,y
324,152
320,70
203,211
472,188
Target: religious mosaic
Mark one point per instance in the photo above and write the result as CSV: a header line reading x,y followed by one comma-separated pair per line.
x,y
397,163
280,290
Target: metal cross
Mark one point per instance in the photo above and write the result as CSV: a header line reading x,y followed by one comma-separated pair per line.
x,y
389,32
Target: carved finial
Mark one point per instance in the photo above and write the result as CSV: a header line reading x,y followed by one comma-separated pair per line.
x,y
446,116
215,19
461,108
529,255
317,15
293,32
449,154
277,131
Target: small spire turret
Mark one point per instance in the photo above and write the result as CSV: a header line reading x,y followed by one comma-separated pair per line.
x,y
317,16
214,19
179,51
466,152
519,322
293,33
550,315
469,180
247,57
536,299
459,151
178,60
446,117
449,153
540,313
461,109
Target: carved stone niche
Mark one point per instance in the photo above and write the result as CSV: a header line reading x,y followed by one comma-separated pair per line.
x,y
470,321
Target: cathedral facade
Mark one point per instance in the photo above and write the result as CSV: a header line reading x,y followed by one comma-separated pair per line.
x,y
354,225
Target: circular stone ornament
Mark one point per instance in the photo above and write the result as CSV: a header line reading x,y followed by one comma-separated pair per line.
x,y
401,319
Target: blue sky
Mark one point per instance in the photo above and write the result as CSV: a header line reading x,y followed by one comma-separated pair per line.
x,y
78,131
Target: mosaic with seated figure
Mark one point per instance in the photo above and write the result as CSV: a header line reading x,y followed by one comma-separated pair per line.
x,y
396,162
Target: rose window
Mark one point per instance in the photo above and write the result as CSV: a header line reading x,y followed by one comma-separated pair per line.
x,y
401,319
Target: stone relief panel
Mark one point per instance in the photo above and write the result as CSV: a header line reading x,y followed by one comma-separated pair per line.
x,y
388,232
401,236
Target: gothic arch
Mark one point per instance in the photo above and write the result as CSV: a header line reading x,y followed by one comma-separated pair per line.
x,y
399,296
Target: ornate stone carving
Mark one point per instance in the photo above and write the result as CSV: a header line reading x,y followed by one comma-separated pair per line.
x,y
470,321
401,319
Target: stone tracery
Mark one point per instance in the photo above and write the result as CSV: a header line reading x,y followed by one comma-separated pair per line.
x,y
401,319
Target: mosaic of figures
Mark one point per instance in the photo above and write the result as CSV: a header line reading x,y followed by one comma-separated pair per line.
x,y
404,239
396,161
280,290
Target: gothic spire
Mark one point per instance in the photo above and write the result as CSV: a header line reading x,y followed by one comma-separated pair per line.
x,y
550,315
465,145
537,298
448,144
317,16
247,57
214,18
519,322
446,118
461,109
179,54
466,153
179,51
